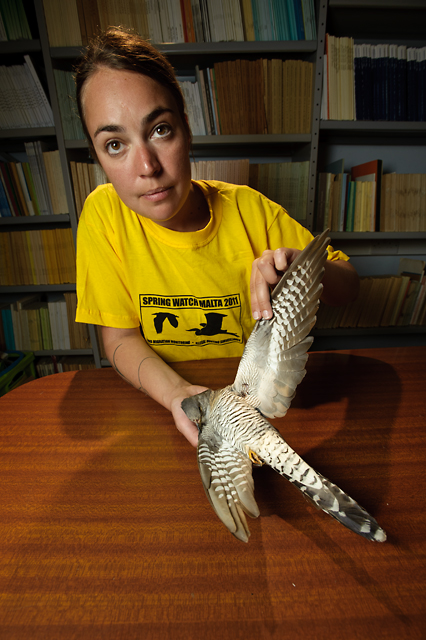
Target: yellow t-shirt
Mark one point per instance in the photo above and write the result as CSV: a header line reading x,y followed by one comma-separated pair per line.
x,y
189,292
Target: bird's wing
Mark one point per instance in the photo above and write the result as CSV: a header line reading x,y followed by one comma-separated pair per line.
x,y
227,480
274,359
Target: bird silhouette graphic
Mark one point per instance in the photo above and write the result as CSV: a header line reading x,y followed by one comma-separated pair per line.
x,y
213,326
161,317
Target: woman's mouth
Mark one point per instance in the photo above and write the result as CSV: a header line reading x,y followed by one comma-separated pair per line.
x,y
156,195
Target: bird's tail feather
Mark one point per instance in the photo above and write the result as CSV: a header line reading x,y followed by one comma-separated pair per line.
x,y
317,489
343,508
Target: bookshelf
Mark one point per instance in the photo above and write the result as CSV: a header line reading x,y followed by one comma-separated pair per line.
x,y
23,227
399,144
379,21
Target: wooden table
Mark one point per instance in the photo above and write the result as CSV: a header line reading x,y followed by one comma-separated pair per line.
x,y
106,532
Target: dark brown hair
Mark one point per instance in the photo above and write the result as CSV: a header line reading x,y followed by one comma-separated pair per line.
x,y
120,48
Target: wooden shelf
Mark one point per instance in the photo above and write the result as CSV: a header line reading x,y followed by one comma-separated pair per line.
x,y
372,126
18,221
37,288
377,4
378,235
371,331
331,339
365,132
27,132
380,243
64,352
19,46
228,140
210,48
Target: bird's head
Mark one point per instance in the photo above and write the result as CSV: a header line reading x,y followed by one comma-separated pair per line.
x,y
197,408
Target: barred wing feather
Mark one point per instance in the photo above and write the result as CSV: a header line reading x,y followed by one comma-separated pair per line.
x,y
227,479
274,359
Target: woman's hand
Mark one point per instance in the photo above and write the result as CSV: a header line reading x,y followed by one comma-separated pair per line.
x,y
266,272
183,423
340,281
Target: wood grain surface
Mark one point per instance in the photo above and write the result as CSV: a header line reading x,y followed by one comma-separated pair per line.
x,y
106,533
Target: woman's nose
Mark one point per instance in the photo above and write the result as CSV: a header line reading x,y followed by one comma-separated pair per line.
x,y
146,160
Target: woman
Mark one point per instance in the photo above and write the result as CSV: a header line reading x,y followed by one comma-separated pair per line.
x,y
169,267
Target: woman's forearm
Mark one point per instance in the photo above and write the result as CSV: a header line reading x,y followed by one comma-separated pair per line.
x,y
138,364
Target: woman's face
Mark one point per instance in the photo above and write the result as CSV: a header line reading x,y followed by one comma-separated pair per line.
x,y
141,143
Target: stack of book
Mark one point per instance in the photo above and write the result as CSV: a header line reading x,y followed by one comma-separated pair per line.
x,y
194,110
383,301
39,256
35,187
368,200
66,91
403,202
255,96
23,101
85,178
373,82
338,96
283,182
13,21
349,202
233,171
42,323
73,22
48,365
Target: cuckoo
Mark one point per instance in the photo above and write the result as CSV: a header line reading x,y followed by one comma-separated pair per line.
x,y
234,433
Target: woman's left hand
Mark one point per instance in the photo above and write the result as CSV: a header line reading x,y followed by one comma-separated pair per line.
x,y
266,272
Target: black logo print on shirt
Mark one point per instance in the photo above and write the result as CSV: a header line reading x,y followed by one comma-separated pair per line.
x,y
212,326
191,321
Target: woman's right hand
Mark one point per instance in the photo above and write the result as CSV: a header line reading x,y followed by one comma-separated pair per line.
x,y
183,423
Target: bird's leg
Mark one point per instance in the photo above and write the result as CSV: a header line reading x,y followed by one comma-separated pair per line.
x,y
258,462
244,389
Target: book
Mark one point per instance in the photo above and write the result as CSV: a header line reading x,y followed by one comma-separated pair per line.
x,y
14,23
23,101
30,257
232,171
192,97
403,202
38,180
63,24
78,331
58,321
5,208
188,21
8,181
370,172
41,322
66,92
55,181
85,178
248,22
323,205
44,107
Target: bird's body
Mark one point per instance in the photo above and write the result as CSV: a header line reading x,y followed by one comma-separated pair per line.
x,y
233,430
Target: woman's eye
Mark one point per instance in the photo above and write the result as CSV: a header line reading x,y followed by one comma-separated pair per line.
x,y
113,147
161,131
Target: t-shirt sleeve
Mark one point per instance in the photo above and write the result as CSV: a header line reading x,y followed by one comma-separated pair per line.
x,y
102,291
